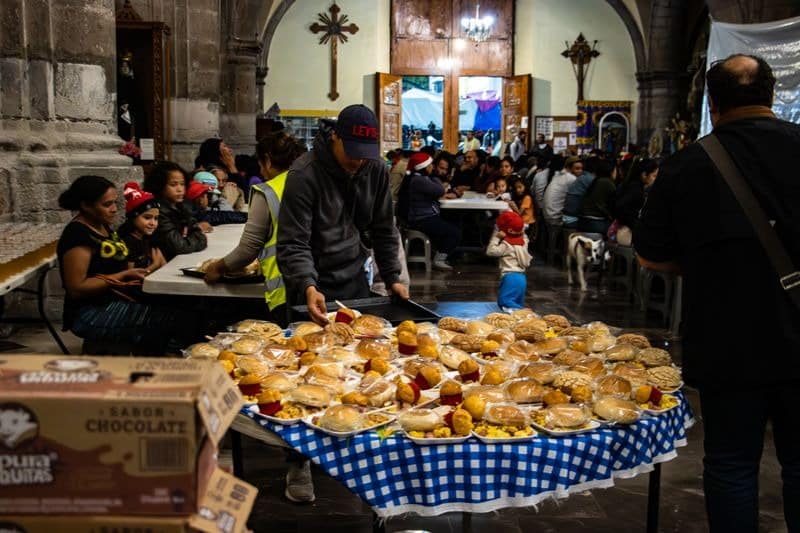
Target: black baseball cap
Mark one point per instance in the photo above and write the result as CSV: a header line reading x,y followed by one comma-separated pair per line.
x,y
358,129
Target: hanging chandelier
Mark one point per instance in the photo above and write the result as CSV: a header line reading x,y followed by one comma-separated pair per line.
x,y
478,29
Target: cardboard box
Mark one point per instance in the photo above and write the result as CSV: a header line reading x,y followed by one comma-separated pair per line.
x,y
110,435
224,508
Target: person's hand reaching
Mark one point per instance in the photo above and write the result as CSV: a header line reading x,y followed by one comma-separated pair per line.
x,y
315,301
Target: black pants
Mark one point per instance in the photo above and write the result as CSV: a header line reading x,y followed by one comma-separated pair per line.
x,y
444,235
734,439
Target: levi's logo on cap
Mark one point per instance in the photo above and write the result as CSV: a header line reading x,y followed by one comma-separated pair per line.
x,y
364,131
358,128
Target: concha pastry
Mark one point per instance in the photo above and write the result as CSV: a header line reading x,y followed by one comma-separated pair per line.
x,y
655,357
600,343
568,358
502,336
524,314
203,350
453,324
530,330
342,333
369,325
556,321
565,381
640,341
664,377
468,343
500,320
598,328
260,327
247,345
575,331
621,352
550,346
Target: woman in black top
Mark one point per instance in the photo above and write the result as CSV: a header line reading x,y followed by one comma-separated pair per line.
x,y
99,287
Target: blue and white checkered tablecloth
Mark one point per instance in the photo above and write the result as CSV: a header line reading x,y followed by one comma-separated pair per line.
x,y
396,476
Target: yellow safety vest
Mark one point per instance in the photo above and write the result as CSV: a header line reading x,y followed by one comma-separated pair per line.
x,y
275,291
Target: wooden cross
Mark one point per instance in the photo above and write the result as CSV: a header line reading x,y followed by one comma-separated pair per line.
x,y
333,27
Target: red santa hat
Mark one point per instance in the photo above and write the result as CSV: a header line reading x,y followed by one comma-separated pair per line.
x,y
137,201
419,160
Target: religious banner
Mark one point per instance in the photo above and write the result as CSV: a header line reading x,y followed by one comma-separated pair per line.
x,y
590,114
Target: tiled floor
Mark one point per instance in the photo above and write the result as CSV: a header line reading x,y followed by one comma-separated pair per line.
x,y
619,509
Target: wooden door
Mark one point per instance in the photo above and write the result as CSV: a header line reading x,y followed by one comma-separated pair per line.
x,y
389,110
516,106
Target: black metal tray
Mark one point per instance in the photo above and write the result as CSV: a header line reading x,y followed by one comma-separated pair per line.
x,y
230,280
393,309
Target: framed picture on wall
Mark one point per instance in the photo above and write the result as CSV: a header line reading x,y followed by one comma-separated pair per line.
x,y
391,94
391,127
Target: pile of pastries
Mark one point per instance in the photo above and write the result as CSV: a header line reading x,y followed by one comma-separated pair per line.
x,y
494,377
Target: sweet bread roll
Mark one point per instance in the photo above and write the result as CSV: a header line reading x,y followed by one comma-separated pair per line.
x,y
600,343
632,372
500,320
581,394
340,418
530,330
278,382
380,392
203,350
542,372
566,416
575,331
336,385
556,321
319,341
297,344
311,395
502,336
568,358
634,339
523,314
621,352
525,391
590,365
247,345
579,345
654,357
521,351
555,397
468,343
451,356
569,379
445,335
304,328
489,394
419,420
453,324
550,346
326,368
369,325
614,385
371,348
664,377
616,410
259,327
342,333
479,328
598,328
249,364
505,415
355,398
307,358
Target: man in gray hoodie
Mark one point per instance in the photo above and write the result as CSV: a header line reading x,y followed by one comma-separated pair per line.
x,y
337,205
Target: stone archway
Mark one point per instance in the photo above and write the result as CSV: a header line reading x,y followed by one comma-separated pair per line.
x,y
265,39
637,40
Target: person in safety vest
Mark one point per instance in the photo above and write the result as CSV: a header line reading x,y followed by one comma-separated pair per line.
x,y
276,152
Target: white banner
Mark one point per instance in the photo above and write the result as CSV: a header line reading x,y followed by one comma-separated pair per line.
x,y
778,43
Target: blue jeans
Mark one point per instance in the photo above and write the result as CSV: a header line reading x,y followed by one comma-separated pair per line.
x,y
511,294
734,438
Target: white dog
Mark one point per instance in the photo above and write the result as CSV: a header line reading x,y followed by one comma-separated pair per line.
x,y
584,250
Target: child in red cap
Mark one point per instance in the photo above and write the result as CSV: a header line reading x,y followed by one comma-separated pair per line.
x,y
510,244
141,221
197,198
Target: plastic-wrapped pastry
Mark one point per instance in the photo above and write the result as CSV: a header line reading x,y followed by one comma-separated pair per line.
x,y
203,350
614,385
524,314
451,356
319,341
575,331
500,320
407,325
453,324
654,357
635,339
590,365
369,325
550,346
312,395
370,348
341,418
468,343
247,345
621,352
617,410
664,377
407,343
525,391
521,351
505,415
479,328
343,334
566,380
355,398
380,392
502,336
556,321
419,420
568,358
301,329
633,372
530,330
599,343
542,371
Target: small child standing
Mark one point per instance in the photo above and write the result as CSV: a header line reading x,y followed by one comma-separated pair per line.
x,y
141,221
509,243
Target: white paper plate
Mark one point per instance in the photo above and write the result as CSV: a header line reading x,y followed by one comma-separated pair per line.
x,y
282,421
660,411
343,434
434,441
504,440
676,389
593,424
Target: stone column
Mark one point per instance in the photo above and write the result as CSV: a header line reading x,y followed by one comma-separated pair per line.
x,y
57,103
663,82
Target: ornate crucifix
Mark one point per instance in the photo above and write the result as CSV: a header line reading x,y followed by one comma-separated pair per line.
x,y
333,27
581,54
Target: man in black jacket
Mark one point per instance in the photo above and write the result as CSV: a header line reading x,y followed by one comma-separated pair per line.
x,y
741,344
337,204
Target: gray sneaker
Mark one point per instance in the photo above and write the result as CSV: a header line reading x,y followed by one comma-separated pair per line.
x,y
299,484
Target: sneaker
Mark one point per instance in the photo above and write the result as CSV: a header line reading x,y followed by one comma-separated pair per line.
x,y
440,262
299,484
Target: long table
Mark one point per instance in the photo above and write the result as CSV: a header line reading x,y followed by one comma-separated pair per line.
x,y
170,280
473,201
